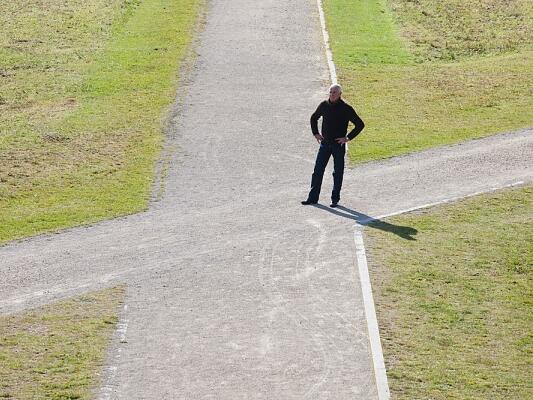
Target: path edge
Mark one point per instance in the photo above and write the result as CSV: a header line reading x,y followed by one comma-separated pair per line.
x,y
169,143
370,313
325,35
378,360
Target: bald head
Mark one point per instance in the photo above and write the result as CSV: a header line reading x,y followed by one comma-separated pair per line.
x,y
335,92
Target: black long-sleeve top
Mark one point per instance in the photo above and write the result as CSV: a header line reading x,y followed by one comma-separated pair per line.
x,y
335,118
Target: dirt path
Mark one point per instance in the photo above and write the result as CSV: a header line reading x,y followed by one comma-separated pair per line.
x,y
235,290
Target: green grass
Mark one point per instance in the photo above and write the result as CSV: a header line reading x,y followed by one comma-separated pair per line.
x,y
85,90
455,305
425,73
57,351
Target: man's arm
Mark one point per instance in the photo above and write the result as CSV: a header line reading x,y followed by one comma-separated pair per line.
x,y
358,123
314,120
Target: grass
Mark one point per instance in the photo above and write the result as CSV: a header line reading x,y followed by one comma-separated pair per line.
x,y
424,73
56,352
85,89
455,305
453,29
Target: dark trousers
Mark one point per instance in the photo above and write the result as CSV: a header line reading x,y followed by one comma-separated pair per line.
x,y
325,151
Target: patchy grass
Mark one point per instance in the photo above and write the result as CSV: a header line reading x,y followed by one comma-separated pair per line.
x,y
455,305
85,89
454,29
415,92
56,352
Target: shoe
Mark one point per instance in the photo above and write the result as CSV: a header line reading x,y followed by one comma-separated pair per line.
x,y
307,202
333,205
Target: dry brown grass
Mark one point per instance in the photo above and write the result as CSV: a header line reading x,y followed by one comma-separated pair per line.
x,y
454,29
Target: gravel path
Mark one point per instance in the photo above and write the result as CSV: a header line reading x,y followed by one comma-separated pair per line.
x,y
235,290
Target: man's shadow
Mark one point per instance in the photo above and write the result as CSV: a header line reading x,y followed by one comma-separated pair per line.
x,y
404,232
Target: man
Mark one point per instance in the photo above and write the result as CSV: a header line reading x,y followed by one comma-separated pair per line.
x,y
335,115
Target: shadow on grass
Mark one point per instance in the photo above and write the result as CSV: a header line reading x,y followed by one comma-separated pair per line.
x,y
405,232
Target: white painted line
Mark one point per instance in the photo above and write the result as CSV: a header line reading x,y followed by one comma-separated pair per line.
x,y
329,55
55,291
444,201
122,326
366,287
106,390
368,300
372,323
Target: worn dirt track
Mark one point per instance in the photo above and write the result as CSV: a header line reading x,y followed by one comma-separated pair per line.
x,y
235,290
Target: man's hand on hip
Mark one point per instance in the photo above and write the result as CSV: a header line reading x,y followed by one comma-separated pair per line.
x,y
319,138
342,140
